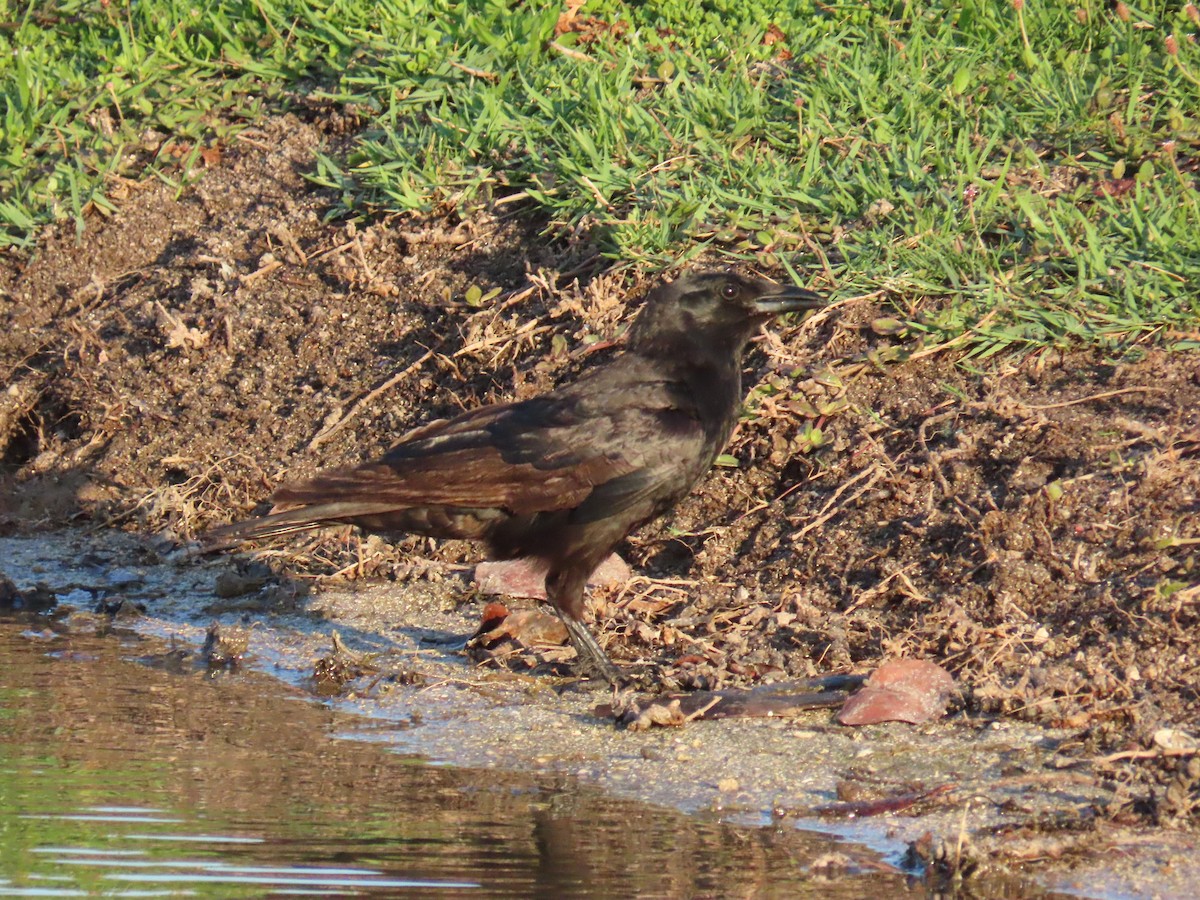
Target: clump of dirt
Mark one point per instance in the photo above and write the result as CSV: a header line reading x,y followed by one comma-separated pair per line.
x,y
1035,529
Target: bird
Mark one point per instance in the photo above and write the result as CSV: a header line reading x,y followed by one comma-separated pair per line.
x,y
564,476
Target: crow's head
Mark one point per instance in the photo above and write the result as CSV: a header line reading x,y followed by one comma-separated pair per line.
x,y
720,309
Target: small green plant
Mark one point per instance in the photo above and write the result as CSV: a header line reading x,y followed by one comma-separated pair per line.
x,y
811,438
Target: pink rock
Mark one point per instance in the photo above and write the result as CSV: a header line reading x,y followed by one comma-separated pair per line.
x,y
901,690
526,577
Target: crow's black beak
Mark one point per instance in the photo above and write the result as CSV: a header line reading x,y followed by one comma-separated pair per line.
x,y
782,298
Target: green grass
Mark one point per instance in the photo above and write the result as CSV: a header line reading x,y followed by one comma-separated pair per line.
x,y
93,92
1024,176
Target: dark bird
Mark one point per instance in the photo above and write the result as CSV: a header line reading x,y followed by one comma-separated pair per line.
x,y
563,477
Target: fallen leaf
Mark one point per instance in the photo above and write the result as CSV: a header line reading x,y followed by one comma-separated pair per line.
x,y
901,690
531,627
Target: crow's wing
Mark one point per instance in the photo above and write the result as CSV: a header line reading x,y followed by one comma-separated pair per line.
x,y
544,454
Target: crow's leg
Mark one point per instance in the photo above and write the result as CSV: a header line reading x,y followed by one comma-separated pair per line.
x,y
592,658
564,590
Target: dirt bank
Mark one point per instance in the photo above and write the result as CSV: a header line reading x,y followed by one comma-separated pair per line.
x,y
1034,528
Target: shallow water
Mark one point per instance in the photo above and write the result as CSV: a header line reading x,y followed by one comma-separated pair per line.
x,y
125,771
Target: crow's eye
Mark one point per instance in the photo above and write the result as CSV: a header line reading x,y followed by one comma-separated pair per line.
x,y
729,291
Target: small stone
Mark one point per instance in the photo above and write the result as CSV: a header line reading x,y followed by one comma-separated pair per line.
x,y
1174,739
40,599
527,578
237,584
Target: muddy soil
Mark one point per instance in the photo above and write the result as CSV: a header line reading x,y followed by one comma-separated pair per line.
x,y
1032,525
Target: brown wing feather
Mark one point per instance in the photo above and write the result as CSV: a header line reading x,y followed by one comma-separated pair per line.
x,y
528,457
476,479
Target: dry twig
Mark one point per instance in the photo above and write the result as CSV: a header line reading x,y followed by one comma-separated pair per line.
x,y
359,405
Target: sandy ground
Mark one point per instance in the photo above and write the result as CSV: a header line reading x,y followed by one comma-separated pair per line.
x,y
980,795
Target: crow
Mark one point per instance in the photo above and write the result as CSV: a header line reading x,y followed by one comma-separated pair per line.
x,y
563,477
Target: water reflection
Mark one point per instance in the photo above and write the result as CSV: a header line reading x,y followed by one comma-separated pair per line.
x,y
121,779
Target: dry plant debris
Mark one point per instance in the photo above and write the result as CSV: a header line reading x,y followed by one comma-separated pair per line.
x,y
1034,527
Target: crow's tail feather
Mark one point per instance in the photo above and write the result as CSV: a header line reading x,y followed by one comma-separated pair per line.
x,y
290,521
